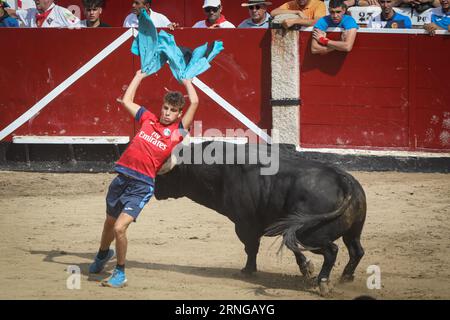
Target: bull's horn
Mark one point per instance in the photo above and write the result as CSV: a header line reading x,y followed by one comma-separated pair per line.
x,y
171,162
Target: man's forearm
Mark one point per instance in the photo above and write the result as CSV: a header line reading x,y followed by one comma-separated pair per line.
x,y
131,90
188,117
339,45
192,93
277,12
316,48
128,98
305,22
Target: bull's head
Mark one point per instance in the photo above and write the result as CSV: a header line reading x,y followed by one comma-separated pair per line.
x,y
168,182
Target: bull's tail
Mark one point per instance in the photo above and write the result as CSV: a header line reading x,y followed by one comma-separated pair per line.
x,y
300,222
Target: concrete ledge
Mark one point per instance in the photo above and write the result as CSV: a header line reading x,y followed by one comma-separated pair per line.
x,y
97,162
382,163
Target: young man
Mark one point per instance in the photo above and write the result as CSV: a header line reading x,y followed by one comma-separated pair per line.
x,y
388,18
5,19
336,19
158,19
46,15
308,12
215,18
439,18
137,168
259,17
93,10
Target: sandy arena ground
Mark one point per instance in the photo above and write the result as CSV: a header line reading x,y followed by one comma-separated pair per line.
x,y
181,250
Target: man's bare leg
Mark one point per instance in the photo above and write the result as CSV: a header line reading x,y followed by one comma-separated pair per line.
x,y
120,233
108,232
104,253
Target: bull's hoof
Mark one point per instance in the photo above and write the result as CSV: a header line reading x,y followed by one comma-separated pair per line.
x,y
307,269
248,271
325,288
347,278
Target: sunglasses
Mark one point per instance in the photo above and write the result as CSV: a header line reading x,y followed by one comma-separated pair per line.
x,y
257,7
213,9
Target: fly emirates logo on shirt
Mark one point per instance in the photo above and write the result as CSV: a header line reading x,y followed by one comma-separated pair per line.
x,y
153,139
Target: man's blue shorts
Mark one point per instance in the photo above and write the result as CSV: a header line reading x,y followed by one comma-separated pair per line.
x,y
127,195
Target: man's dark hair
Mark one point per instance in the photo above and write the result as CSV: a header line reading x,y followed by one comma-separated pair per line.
x,y
149,2
337,4
87,4
175,99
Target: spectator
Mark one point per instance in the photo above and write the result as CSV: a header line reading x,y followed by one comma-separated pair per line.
x,y
259,18
5,19
439,17
388,18
336,19
308,11
46,15
92,11
158,19
215,18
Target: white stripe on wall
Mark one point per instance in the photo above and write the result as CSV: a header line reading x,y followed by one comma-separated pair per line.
x,y
65,84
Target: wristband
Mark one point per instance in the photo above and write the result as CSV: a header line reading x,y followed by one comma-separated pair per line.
x,y
323,41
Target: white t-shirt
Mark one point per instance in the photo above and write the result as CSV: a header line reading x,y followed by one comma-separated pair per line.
x,y
202,24
158,19
59,17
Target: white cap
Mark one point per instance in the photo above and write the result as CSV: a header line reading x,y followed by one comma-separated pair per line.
x,y
211,3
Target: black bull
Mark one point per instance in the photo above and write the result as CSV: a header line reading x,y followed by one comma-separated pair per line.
x,y
309,203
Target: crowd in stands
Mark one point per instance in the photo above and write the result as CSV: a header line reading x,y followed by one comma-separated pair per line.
x,y
300,13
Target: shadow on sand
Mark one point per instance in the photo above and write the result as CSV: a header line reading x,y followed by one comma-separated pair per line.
x,y
263,280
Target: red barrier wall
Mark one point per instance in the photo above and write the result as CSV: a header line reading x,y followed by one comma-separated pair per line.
x,y
391,92
39,60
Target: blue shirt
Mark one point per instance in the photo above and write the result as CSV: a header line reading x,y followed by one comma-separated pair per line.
x,y
8,22
346,23
440,18
398,21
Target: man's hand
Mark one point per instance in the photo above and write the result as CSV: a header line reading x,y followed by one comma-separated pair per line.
x,y
141,75
350,3
288,23
320,37
301,14
317,34
431,28
173,26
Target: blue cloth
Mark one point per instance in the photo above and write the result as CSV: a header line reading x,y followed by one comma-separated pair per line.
x,y
346,23
441,18
7,21
157,49
127,195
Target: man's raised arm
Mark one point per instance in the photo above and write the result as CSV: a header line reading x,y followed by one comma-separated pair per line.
x,y
193,98
128,98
